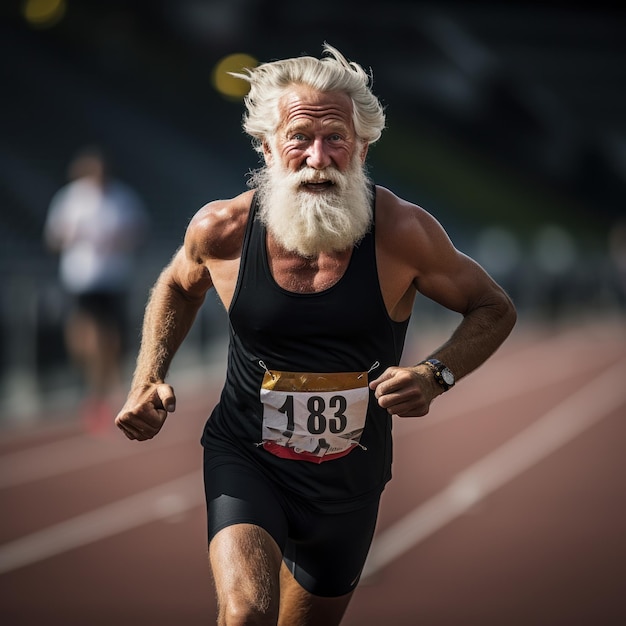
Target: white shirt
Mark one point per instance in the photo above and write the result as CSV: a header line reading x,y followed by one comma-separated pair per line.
x,y
96,231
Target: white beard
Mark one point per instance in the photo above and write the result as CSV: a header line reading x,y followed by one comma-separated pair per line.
x,y
308,222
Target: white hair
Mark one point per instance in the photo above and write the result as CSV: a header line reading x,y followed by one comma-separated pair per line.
x,y
269,81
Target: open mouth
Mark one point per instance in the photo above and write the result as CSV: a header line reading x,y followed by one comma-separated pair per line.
x,y
317,186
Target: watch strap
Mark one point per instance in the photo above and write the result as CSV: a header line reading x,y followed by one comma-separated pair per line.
x,y
437,368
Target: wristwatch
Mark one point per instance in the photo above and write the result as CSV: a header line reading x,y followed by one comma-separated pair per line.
x,y
442,374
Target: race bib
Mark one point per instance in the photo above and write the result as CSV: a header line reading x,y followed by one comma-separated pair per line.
x,y
313,417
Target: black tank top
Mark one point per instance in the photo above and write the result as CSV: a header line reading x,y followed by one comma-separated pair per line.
x,y
345,328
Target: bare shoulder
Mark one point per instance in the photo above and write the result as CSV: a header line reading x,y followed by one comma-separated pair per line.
x,y
213,242
406,229
217,230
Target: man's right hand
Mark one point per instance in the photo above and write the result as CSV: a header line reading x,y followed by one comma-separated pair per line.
x,y
145,411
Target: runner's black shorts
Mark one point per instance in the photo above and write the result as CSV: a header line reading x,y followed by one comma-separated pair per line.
x,y
324,550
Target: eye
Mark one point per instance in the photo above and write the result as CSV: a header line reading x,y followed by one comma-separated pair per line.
x,y
298,137
335,137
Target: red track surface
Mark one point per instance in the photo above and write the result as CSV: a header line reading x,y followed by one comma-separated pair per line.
x,y
507,506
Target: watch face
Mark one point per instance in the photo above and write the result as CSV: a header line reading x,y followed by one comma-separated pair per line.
x,y
448,376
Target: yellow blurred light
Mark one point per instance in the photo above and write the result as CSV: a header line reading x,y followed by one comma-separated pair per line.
x,y
230,86
43,13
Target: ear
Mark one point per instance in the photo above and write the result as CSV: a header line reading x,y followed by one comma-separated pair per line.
x,y
363,153
267,152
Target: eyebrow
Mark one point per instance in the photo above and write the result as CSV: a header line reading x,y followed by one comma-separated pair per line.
x,y
305,125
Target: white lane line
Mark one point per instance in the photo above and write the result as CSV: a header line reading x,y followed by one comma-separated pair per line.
x,y
557,427
165,501
77,453
567,420
81,451
491,384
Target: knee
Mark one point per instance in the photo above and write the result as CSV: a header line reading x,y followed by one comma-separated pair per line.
x,y
238,610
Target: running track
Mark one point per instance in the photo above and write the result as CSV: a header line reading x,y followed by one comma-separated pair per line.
x,y
507,506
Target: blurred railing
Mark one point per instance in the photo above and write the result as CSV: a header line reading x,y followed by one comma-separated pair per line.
x,y
35,373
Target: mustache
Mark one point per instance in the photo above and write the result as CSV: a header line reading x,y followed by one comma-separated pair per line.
x,y
309,175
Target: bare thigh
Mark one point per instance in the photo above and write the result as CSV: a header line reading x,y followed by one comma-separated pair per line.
x,y
254,586
246,563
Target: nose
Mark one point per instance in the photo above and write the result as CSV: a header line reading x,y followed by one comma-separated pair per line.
x,y
317,155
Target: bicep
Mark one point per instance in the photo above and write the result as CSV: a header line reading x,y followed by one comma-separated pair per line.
x,y
458,283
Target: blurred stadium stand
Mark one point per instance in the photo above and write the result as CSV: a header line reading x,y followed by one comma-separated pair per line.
x,y
507,115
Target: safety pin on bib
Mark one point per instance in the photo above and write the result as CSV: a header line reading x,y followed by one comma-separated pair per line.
x,y
262,364
375,364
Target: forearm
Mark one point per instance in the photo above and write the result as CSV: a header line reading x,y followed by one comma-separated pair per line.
x,y
168,318
478,336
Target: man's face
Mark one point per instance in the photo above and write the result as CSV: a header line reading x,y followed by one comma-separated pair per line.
x,y
314,193
317,132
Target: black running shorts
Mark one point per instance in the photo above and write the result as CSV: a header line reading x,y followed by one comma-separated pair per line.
x,y
324,550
